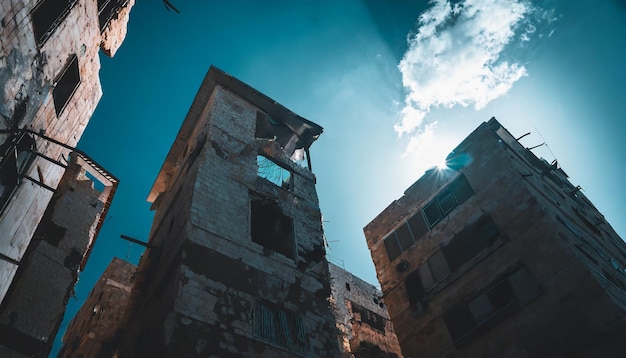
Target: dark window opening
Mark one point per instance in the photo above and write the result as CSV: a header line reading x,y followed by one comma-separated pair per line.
x,y
511,293
274,173
18,153
432,213
347,286
461,189
418,225
66,85
368,317
47,16
392,246
446,201
404,237
271,228
587,223
470,241
414,287
279,326
459,321
463,247
107,10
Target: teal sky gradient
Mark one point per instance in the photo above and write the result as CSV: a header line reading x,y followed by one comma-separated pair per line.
x,y
335,63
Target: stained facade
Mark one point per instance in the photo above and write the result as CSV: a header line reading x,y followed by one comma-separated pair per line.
x,y
96,330
363,324
50,87
500,255
236,261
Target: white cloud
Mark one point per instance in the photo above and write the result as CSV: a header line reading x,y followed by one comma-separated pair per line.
x,y
455,58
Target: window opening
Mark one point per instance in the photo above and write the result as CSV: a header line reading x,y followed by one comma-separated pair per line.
x,y
273,172
279,326
47,16
432,213
446,201
368,317
513,292
347,286
271,228
66,85
18,154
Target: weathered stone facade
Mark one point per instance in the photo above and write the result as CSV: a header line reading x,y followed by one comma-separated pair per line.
x,y
33,308
96,331
363,324
236,265
49,74
500,256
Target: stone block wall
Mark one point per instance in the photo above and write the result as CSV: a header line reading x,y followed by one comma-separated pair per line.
x,y
361,317
35,302
532,262
31,68
95,331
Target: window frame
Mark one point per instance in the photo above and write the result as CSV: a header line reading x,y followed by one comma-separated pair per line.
x,y
60,94
43,7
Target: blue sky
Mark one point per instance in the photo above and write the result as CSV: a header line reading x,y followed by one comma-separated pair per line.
x,y
395,84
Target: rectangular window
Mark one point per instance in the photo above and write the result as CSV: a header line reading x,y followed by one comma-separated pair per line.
x,y
47,16
414,287
392,246
280,327
271,228
368,317
272,172
107,9
66,85
470,241
512,293
432,213
449,198
17,155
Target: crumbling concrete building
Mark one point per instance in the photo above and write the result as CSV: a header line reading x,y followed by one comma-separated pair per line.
x,y
33,308
235,264
363,324
499,255
50,87
96,330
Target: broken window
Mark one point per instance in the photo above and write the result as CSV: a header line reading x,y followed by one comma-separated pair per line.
x,y
278,326
414,287
18,153
107,10
368,317
47,16
271,228
66,85
513,292
273,172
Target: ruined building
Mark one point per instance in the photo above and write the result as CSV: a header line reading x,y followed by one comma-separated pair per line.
x,y
500,255
364,328
235,264
50,87
95,331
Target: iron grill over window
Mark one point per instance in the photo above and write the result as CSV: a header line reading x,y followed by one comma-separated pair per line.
x,y
280,327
